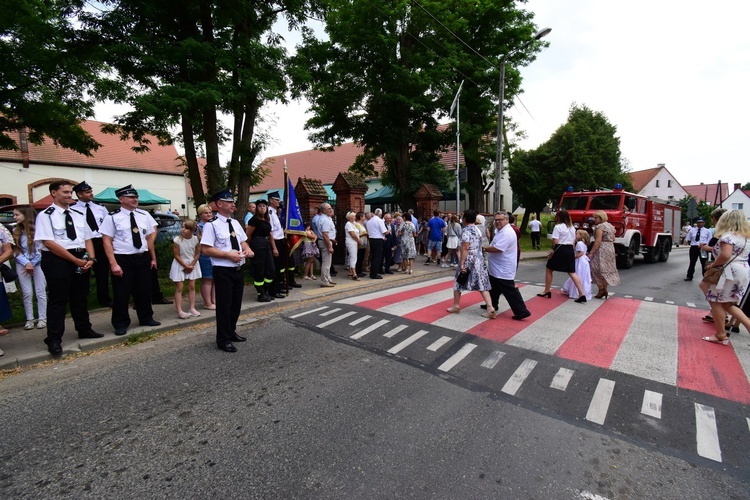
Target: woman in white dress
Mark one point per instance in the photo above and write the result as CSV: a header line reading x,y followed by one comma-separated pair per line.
x,y
730,255
582,268
352,245
562,256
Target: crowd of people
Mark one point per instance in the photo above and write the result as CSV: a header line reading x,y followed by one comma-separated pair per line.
x,y
55,250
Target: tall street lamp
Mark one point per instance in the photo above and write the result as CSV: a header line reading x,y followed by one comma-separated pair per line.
x,y
499,154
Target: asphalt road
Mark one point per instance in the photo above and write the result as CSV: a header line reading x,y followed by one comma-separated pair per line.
x,y
304,414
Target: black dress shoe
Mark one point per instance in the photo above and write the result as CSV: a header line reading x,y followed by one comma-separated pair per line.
x,y
361,275
151,322
295,285
519,317
91,334
106,303
688,279
54,348
228,348
121,331
161,300
277,296
238,338
378,277
264,298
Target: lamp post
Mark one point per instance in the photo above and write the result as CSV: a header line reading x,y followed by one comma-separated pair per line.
x,y
501,92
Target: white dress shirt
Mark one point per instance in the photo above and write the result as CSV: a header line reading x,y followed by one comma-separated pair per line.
x,y
502,264
50,226
376,228
100,213
117,226
216,234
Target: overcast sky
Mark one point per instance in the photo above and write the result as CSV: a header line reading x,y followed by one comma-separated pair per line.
x,y
672,76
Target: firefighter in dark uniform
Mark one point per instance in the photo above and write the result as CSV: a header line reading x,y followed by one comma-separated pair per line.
x,y
224,240
258,232
284,274
67,256
128,234
95,215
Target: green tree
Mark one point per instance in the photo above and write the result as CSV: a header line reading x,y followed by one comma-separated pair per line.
x,y
182,62
746,186
371,82
47,67
583,153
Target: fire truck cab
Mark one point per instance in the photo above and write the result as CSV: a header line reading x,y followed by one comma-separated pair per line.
x,y
643,225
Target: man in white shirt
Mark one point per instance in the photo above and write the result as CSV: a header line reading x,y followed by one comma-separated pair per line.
x,y
697,236
325,244
501,257
283,263
95,215
376,233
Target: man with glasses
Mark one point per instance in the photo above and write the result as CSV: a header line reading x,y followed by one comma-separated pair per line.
x,y
502,265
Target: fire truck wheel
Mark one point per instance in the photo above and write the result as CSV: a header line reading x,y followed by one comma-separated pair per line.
x,y
666,247
626,261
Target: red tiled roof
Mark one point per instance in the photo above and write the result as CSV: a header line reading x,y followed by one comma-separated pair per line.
x,y
324,165
708,192
641,178
112,154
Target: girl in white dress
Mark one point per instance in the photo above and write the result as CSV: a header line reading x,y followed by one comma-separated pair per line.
x,y
582,268
184,267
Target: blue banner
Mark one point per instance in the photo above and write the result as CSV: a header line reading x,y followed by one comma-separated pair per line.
x,y
294,223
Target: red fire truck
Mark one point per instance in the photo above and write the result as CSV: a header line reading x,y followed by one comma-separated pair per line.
x,y
643,225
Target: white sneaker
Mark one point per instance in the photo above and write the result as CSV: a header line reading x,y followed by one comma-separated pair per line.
x,y
2,353
29,325
41,324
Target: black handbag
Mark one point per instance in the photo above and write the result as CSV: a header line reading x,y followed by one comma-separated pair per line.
x,y
463,278
8,273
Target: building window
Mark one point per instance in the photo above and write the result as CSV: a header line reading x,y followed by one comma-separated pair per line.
x,y
657,182
670,198
669,183
737,206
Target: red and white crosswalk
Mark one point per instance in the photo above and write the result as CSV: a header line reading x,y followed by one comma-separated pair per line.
x,y
655,341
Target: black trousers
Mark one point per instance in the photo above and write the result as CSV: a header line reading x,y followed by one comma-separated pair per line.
x,y
101,271
536,239
262,265
65,286
229,283
387,255
283,272
135,281
376,256
511,293
360,259
695,254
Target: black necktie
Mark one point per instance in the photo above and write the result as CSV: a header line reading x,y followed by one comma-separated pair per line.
x,y
91,219
698,236
70,229
233,236
136,231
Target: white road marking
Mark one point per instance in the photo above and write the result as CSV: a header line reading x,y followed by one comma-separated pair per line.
x,y
390,291
599,405
649,350
393,332
669,302
308,312
493,359
651,404
561,379
457,358
628,296
706,433
650,299
587,495
332,311
406,343
690,304
522,372
336,319
438,343
369,329
748,424
360,320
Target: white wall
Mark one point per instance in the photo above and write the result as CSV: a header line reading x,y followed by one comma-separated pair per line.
x,y
738,197
14,179
664,191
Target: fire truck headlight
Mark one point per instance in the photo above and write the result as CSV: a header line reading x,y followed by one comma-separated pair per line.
x,y
575,225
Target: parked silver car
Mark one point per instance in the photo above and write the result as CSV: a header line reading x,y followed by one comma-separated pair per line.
x,y
168,227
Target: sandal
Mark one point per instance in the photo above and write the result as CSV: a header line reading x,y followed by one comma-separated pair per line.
x,y
454,310
490,314
716,340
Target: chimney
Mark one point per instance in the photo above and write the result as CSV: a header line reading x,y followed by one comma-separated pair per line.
x,y
24,143
737,186
661,165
